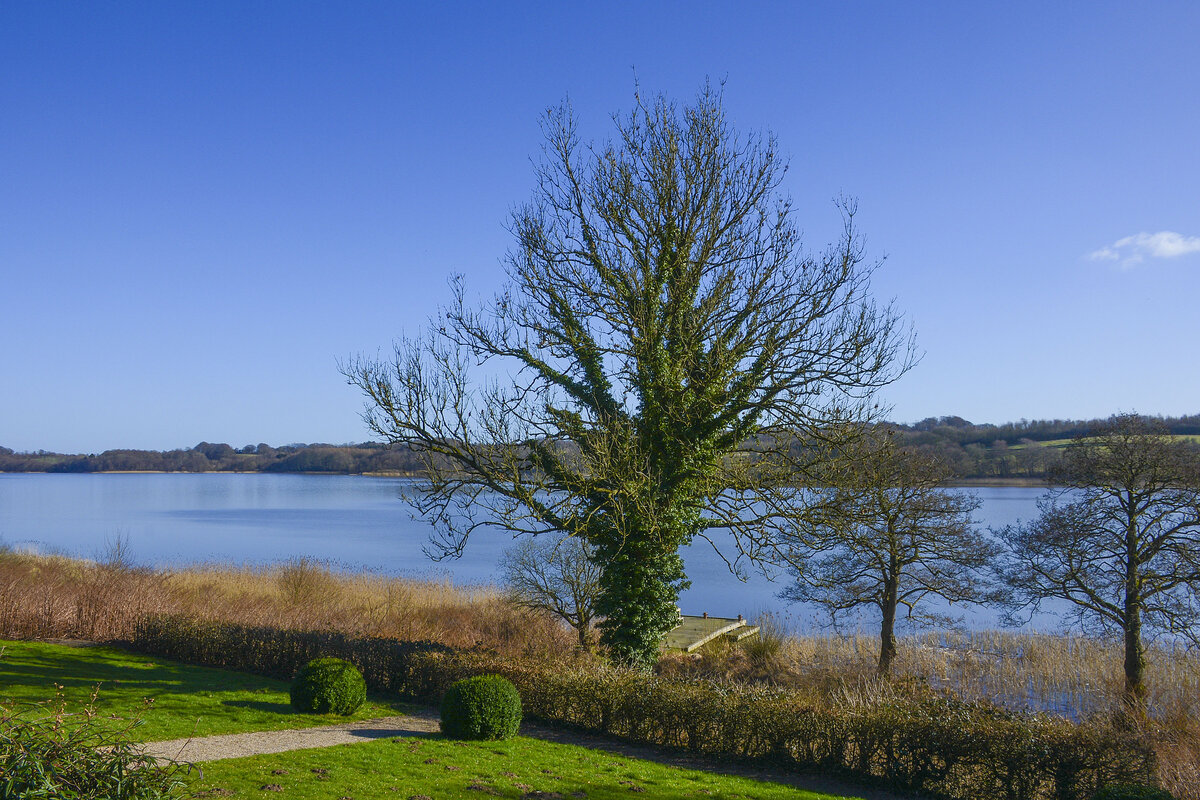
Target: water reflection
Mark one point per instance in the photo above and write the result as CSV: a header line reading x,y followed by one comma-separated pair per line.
x,y
355,522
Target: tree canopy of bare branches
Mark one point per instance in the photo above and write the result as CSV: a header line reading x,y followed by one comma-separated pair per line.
x,y
1119,541
558,576
884,533
663,341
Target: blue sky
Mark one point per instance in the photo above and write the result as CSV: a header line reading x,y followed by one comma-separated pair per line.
x,y
204,205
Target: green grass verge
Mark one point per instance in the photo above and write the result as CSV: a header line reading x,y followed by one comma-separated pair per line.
x,y
433,767
1060,443
183,700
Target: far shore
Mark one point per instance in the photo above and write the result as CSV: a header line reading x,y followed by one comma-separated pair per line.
x,y
968,483
377,474
957,483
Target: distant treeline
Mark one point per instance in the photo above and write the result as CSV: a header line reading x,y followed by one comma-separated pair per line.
x,y
206,457
1024,449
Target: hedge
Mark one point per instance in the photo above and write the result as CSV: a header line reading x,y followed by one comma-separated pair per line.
x,y
280,653
928,743
933,744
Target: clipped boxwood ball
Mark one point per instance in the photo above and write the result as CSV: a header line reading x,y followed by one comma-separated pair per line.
x,y
483,707
1132,792
328,686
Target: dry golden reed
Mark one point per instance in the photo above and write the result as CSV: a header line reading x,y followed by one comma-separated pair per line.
x,y
1074,676
54,597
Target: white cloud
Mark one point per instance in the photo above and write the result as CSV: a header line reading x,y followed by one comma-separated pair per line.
x,y
1135,249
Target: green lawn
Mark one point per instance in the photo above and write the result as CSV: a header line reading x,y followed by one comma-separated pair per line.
x,y
437,768
185,700
197,701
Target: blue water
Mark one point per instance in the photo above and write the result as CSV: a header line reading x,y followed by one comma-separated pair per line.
x,y
351,521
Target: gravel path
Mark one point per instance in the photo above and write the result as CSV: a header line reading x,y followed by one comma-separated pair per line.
x,y
425,722
239,745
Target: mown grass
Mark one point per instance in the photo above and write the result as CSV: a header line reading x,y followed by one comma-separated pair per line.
x,y
174,700
434,767
197,701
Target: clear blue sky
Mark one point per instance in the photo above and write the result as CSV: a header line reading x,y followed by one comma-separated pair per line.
x,y
204,205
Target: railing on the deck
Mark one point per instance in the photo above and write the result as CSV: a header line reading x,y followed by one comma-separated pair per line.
x,y
694,632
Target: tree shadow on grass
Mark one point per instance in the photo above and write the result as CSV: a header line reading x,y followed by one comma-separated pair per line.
x,y
260,705
38,667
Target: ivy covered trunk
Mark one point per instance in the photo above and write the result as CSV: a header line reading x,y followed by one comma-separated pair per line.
x,y
641,578
639,596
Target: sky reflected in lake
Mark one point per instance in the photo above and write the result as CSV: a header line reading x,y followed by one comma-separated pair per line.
x,y
350,521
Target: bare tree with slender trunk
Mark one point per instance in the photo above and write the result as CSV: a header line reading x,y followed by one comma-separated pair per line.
x,y
884,533
662,343
1119,541
558,576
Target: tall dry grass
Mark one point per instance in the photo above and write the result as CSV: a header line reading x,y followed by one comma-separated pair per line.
x,y
54,597
1072,676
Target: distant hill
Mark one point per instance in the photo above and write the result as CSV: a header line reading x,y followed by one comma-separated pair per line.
x,y
1014,450
1024,449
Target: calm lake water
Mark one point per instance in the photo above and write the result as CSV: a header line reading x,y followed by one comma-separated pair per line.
x,y
351,521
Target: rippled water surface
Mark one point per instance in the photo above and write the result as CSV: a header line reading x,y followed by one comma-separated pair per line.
x,y
356,522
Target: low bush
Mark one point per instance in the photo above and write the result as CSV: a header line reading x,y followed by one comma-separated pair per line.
x,y
52,752
482,707
328,686
1128,791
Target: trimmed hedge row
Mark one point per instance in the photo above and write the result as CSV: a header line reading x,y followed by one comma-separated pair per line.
x,y
1125,792
931,743
279,653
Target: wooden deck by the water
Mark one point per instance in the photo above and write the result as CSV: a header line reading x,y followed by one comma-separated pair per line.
x,y
695,632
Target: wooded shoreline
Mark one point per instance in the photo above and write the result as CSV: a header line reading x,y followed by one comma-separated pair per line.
x,y
1012,454
960,483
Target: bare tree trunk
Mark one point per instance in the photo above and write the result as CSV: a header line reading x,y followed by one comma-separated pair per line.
x,y
887,631
1135,654
581,628
1135,657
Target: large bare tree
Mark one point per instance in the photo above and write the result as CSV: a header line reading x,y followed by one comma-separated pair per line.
x,y
884,533
663,342
1119,541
